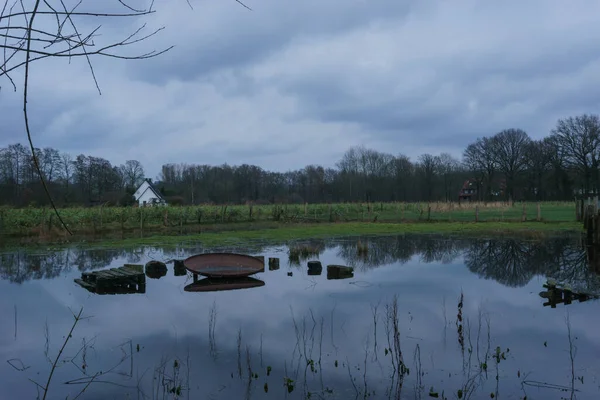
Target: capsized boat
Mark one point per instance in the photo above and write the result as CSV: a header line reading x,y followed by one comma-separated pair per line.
x,y
223,265
218,284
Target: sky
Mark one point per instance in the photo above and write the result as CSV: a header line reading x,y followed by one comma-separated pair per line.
x,y
293,83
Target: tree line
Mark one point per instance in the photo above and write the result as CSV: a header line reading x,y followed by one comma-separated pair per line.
x,y
508,165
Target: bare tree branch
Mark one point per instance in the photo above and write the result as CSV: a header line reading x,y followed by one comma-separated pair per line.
x,y
41,43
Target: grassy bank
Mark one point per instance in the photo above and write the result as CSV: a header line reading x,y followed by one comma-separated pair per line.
x,y
42,221
242,233
235,224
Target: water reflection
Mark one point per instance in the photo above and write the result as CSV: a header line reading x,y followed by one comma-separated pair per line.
x,y
302,335
511,262
220,284
557,295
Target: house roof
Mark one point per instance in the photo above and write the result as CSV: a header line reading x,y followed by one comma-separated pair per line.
x,y
151,188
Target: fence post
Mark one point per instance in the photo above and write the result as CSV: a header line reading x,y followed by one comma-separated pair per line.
x,y
539,212
477,213
524,215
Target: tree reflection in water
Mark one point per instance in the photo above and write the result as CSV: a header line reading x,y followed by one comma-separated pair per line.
x,y
510,261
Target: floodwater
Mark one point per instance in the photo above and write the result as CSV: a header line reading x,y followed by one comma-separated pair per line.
x,y
398,328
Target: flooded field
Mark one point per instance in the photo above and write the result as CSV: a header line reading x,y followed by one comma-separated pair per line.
x,y
419,317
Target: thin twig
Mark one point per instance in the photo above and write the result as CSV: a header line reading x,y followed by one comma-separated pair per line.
x,y
25,115
55,363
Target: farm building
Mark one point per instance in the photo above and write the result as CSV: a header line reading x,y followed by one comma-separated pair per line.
x,y
147,195
468,192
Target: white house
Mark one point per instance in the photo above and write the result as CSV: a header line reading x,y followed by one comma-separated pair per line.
x,y
147,195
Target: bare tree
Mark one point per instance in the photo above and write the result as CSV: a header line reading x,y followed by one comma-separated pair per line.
x,y
23,42
402,173
133,173
537,156
429,167
478,157
578,141
448,166
509,152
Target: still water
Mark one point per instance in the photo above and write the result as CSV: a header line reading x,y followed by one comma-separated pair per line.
x,y
422,316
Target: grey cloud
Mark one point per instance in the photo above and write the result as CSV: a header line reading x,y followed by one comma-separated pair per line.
x,y
289,84
495,78
259,34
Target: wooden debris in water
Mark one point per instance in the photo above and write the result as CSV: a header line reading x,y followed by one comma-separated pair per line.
x,y
315,268
156,269
557,293
122,280
135,267
273,263
179,268
339,272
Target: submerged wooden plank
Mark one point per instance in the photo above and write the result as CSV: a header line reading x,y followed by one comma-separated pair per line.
x,y
134,267
125,273
131,271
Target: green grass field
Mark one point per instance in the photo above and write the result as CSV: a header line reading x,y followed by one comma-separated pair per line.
x,y
190,219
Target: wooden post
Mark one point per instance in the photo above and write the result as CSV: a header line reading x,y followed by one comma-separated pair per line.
x,y
305,208
142,219
539,212
273,263
477,213
590,230
524,215
428,212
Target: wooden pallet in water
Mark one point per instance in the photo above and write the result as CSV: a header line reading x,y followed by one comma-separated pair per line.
x,y
123,280
557,293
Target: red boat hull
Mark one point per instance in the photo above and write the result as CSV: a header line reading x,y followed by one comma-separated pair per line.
x,y
219,284
223,265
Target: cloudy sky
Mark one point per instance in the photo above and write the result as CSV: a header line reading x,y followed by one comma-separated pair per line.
x,y
292,83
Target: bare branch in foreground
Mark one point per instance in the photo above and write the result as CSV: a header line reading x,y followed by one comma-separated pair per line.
x,y
19,39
